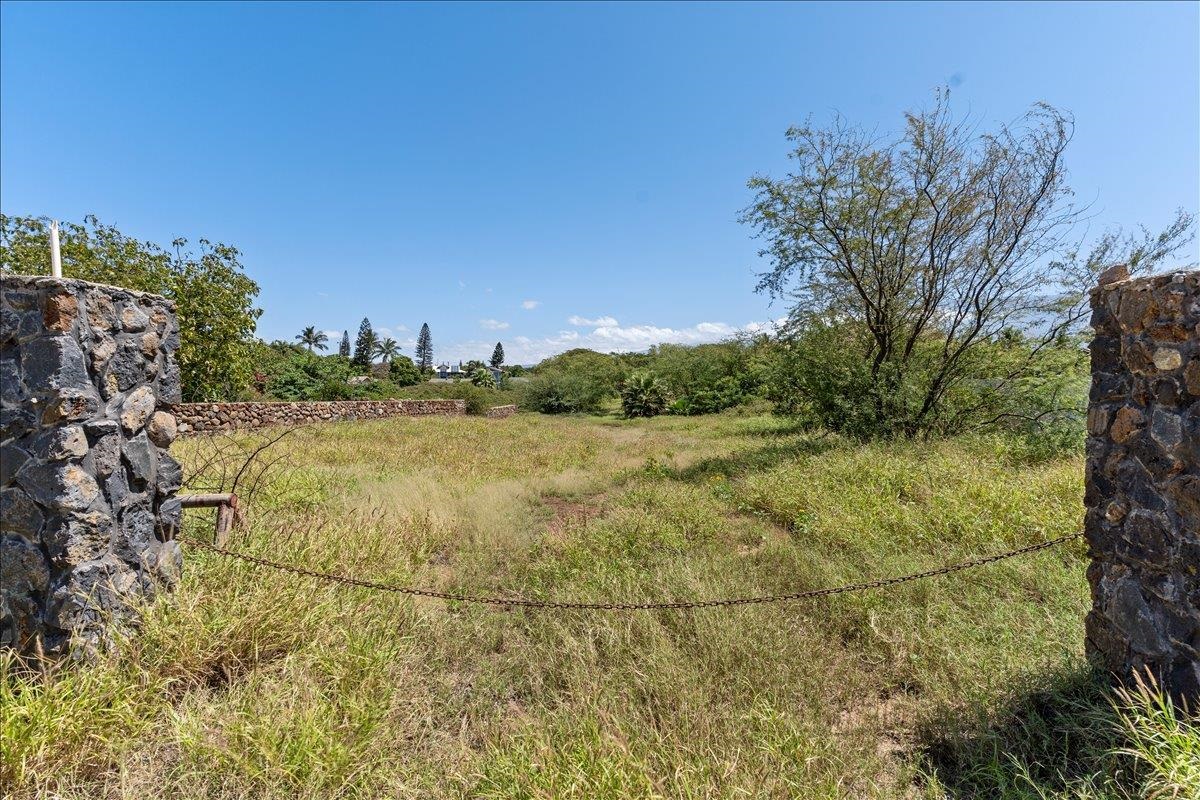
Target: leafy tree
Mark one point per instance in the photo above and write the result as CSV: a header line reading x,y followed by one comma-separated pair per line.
x,y
403,372
310,337
425,349
472,365
916,254
498,356
213,297
643,395
386,349
300,375
364,346
344,347
481,376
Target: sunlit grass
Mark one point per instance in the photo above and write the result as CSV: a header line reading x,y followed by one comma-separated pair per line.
x,y
251,683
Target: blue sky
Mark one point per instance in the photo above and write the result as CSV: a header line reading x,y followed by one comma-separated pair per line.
x,y
545,175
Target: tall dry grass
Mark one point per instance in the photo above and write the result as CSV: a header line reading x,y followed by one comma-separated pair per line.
x,y
245,682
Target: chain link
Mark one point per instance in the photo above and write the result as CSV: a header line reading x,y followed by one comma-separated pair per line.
x,y
647,606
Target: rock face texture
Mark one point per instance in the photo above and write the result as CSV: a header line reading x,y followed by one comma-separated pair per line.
x,y
1143,480
500,412
87,487
201,417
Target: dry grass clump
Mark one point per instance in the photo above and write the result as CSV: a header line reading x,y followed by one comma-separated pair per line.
x,y
245,682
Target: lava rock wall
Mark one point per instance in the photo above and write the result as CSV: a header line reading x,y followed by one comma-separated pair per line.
x,y
1143,480
87,486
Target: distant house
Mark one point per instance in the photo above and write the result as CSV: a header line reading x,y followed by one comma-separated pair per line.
x,y
450,372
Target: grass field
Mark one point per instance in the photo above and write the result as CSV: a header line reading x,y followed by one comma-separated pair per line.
x,y
246,682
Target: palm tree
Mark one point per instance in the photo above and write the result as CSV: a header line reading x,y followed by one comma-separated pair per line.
x,y
310,337
386,349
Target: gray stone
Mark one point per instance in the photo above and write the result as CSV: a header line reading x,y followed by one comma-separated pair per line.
x,y
83,537
106,455
59,444
12,460
141,458
19,514
1166,428
12,389
127,366
170,517
53,362
24,578
132,319
61,487
170,475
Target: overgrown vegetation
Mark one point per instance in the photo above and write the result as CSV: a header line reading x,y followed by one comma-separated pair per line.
x,y
245,682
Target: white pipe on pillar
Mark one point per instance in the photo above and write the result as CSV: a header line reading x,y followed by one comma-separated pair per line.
x,y
55,251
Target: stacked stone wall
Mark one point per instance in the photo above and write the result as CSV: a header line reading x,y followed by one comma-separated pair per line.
x,y
203,417
87,487
500,412
1143,480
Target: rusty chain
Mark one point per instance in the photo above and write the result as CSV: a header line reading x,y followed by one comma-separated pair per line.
x,y
879,583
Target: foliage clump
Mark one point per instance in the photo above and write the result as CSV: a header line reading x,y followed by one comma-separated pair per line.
x,y
214,299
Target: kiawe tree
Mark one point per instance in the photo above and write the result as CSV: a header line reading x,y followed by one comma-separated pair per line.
x,y
907,260
344,347
498,356
424,349
364,346
311,338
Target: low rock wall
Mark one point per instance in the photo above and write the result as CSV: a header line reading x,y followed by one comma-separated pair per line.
x,y
205,417
500,412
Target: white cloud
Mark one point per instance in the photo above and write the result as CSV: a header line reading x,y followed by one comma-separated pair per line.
x,y
584,322
493,324
529,305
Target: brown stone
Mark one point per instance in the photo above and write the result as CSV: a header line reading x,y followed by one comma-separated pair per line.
x,y
100,312
150,344
1113,274
1191,377
162,428
1126,424
137,408
60,312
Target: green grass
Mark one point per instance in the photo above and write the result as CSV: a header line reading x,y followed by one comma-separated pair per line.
x,y
251,683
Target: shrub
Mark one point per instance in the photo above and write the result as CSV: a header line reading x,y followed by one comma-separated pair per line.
x,y
561,392
403,372
482,378
643,395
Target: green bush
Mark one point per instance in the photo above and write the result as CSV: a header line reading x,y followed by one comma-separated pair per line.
x,y
297,374
482,378
562,392
403,372
643,395
819,376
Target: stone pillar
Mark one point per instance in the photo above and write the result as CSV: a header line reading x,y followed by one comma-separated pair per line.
x,y
1143,480
87,487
